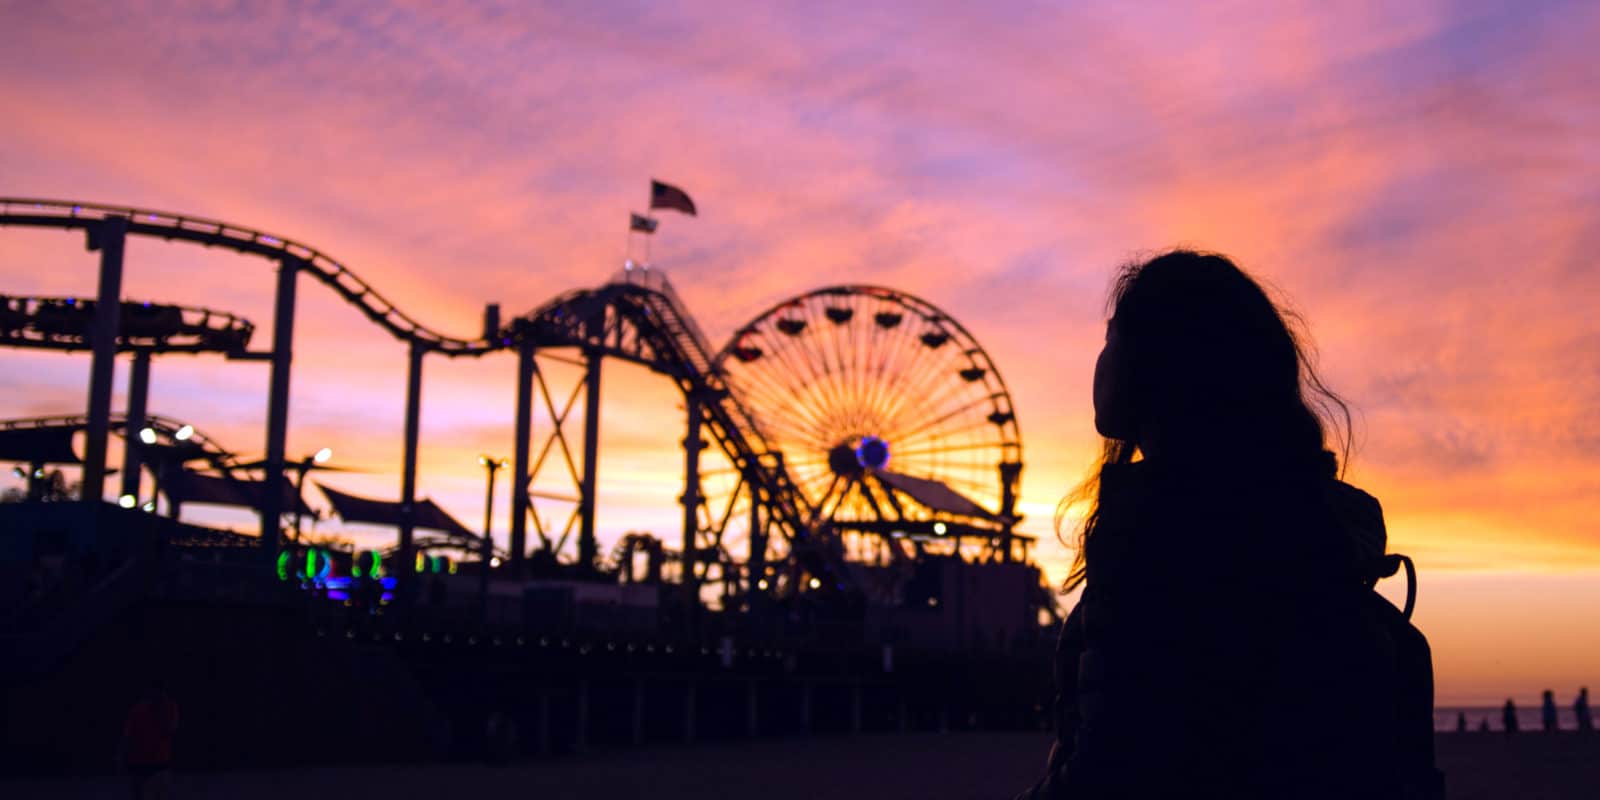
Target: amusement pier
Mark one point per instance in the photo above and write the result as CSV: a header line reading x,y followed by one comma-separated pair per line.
x,y
848,560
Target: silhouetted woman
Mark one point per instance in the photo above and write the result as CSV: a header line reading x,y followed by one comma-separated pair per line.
x,y
1218,649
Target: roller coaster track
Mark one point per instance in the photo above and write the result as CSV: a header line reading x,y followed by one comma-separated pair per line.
x,y
637,316
62,323
218,457
213,233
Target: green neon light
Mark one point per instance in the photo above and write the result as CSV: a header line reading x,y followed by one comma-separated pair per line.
x,y
283,566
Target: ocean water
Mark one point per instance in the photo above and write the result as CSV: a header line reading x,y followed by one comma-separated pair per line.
x,y
1529,717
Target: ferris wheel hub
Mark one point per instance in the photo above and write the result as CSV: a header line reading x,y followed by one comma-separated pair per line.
x,y
853,456
872,452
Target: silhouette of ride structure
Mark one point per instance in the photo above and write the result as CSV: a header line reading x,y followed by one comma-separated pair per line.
x,y
862,431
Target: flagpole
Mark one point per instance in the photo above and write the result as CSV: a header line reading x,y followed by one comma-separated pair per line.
x,y
649,197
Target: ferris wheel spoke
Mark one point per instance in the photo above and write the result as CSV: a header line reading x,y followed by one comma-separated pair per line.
x,y
941,381
943,439
794,425
790,405
826,345
846,344
801,359
779,366
937,404
967,405
899,361
772,369
817,479
828,494
871,364
954,448
813,462
805,472
927,369
879,394
860,339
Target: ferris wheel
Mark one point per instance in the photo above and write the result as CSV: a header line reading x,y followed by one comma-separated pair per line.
x,y
891,420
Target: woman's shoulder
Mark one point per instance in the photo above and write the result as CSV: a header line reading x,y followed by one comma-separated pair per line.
x,y
1358,514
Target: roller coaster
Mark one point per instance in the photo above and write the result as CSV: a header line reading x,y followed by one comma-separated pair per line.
x,y
860,427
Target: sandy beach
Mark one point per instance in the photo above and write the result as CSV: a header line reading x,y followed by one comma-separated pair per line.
x,y
956,766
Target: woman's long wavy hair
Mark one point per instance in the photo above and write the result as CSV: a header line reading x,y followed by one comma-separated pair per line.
x,y
1223,372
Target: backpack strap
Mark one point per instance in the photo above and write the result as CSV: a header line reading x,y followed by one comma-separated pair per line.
x,y
1391,564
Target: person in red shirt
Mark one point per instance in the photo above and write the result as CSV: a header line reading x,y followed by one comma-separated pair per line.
x,y
147,742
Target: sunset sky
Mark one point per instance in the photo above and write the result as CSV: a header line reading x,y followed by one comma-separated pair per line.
x,y
1421,180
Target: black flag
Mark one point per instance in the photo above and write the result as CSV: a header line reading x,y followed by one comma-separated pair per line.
x,y
642,223
665,195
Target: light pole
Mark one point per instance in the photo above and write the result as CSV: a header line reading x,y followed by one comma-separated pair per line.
x,y
491,465
306,465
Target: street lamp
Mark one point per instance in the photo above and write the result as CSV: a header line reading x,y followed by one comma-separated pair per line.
x,y
487,559
492,465
306,465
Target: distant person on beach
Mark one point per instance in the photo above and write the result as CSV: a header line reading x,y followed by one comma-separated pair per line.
x,y
1508,717
1547,713
1225,643
147,737
1461,722
1580,709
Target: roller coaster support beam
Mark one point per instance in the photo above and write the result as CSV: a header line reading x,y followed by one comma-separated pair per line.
x,y
691,500
587,548
406,571
108,237
278,406
138,395
1010,472
756,564
519,457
